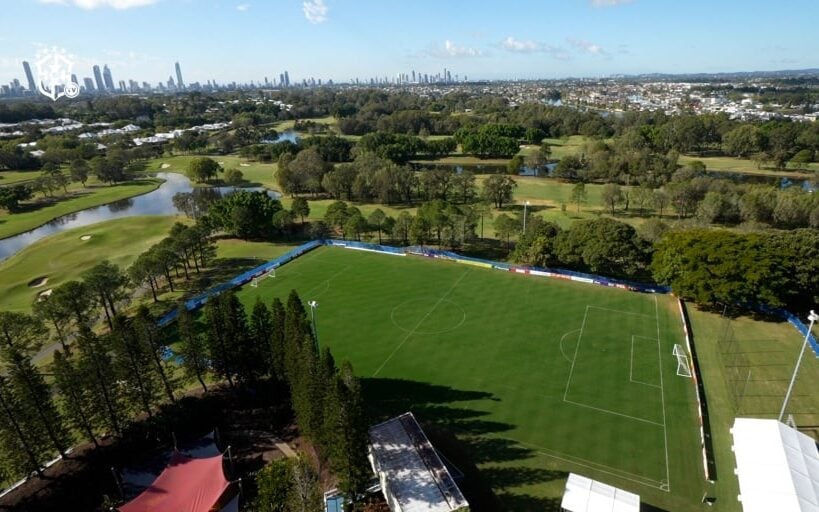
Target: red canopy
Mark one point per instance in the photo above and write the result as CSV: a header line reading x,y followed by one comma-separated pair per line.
x,y
185,485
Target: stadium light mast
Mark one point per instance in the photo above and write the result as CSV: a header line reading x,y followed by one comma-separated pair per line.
x,y
313,305
524,216
813,317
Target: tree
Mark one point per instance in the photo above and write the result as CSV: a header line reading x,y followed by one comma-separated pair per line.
x,y
193,349
499,189
203,169
274,485
73,395
21,336
743,141
376,220
505,227
79,171
300,207
234,177
247,215
11,196
660,201
107,282
579,194
612,195
603,245
148,335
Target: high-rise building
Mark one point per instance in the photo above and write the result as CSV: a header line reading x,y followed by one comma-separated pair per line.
x,y
179,83
122,86
171,85
98,78
286,79
75,79
106,76
89,84
32,86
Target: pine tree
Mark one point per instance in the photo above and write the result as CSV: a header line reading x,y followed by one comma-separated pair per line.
x,y
353,469
148,334
278,316
72,396
20,338
261,334
132,364
96,366
193,348
296,330
220,346
17,455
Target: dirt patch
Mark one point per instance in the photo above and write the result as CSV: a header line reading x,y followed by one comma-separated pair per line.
x,y
165,166
44,294
38,282
85,238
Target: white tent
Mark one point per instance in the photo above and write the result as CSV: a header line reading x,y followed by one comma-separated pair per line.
x,y
777,467
586,495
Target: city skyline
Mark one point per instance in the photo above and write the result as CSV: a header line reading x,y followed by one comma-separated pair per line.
x,y
243,41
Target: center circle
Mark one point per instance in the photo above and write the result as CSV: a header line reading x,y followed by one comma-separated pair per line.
x,y
428,315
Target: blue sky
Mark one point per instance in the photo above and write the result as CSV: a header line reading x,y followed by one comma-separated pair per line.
x,y
247,40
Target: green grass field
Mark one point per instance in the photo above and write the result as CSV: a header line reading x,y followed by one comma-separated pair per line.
x,y
536,376
79,199
256,174
65,256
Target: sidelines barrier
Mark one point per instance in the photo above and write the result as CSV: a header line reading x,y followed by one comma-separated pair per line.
x,y
708,460
794,321
570,275
363,246
200,300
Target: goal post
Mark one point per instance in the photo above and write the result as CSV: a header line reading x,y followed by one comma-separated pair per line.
x,y
258,279
683,368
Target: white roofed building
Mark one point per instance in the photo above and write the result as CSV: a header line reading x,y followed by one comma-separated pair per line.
x,y
413,477
583,494
777,467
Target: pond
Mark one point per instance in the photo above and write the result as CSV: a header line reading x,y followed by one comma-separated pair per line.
x,y
158,202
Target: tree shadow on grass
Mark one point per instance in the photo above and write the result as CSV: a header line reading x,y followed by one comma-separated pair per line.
x,y
467,438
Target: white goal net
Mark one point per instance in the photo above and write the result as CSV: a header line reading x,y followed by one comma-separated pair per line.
x,y
257,280
683,368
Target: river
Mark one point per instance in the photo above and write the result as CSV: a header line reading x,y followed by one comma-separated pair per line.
x,y
158,202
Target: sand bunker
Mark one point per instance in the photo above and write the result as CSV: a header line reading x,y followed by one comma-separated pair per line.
x,y
85,237
244,165
221,163
165,166
45,294
38,282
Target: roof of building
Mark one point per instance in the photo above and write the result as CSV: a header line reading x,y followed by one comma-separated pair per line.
x,y
415,474
586,495
777,467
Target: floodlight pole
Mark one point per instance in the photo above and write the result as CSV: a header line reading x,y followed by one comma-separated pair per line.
x,y
813,317
313,305
524,216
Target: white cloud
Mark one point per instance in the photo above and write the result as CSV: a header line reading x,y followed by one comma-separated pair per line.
x,y
315,11
94,4
609,3
516,45
243,7
451,50
587,47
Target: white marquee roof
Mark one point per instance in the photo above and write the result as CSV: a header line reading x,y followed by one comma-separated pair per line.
x,y
777,467
586,495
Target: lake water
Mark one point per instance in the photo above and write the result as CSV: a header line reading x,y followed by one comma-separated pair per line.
x,y
158,202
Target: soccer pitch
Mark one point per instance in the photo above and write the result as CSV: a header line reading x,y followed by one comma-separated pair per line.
x,y
535,376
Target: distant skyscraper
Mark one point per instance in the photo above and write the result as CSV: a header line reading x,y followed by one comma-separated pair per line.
x,y
171,85
98,78
281,79
179,83
89,84
286,79
106,76
32,87
122,86
74,79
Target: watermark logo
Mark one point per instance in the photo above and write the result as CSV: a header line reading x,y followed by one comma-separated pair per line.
x,y
54,67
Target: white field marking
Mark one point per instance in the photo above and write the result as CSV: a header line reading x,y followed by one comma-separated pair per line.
x,y
662,396
621,312
631,362
421,321
574,359
326,282
441,331
641,420
596,466
561,343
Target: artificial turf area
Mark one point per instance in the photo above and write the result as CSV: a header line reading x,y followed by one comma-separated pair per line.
x,y
536,377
